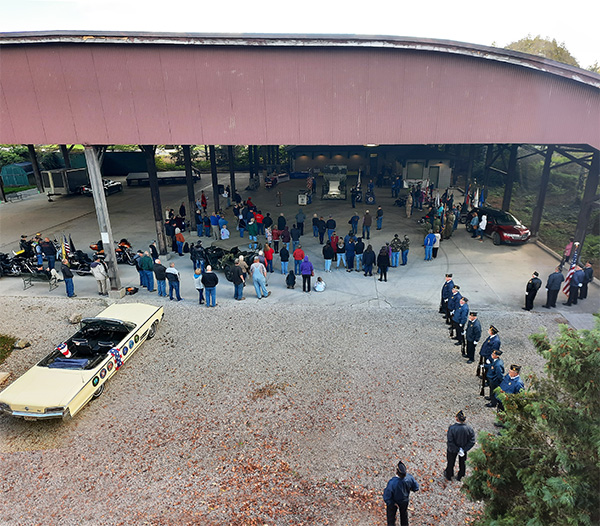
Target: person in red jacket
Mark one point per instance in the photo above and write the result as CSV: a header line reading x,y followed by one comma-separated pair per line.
x,y
269,257
298,258
258,217
275,233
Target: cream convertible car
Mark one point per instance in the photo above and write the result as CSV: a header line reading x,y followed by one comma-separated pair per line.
x,y
76,371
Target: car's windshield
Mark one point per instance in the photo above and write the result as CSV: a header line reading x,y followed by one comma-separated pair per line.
x,y
505,219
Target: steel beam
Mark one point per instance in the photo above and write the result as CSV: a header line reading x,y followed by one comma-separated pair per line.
x,y
161,237
189,182
36,168
110,257
231,159
215,180
536,218
589,196
510,177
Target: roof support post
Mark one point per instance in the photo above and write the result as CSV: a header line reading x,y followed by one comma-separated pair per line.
x,y
510,177
489,159
251,160
589,196
257,161
469,176
161,238
215,180
231,159
36,168
95,174
189,182
65,153
536,218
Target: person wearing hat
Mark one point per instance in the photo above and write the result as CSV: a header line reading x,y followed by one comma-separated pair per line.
x,y
588,277
533,285
453,304
574,285
511,383
494,369
472,335
446,294
491,342
459,320
397,494
460,439
25,245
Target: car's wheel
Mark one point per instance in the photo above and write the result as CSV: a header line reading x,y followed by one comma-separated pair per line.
x,y
98,391
496,239
152,331
228,270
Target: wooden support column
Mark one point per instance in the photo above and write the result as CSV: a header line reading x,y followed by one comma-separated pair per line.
x,y
589,196
257,161
36,168
489,156
510,177
231,159
536,218
161,238
251,160
110,257
215,180
65,153
2,192
189,181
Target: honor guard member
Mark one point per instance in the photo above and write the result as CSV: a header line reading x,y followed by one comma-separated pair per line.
x,y
446,294
473,335
491,342
511,383
553,286
588,277
533,285
575,284
494,371
461,315
453,304
460,439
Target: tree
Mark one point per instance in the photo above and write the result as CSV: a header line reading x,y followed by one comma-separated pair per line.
x,y
544,47
543,469
13,154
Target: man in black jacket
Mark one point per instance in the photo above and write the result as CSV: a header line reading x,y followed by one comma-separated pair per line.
x,y
472,335
533,285
460,439
588,277
553,287
495,375
161,277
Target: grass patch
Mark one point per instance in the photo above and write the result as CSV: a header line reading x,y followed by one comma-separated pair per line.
x,y
267,390
15,189
6,346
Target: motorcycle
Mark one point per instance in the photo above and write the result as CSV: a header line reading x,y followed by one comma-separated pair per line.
x,y
9,266
80,263
123,251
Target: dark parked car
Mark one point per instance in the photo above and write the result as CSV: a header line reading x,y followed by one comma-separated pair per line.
x,y
503,227
110,187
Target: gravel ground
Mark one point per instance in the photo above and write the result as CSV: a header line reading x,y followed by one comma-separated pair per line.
x,y
252,413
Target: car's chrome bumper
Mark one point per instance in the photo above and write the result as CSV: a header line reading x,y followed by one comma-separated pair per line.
x,y
27,415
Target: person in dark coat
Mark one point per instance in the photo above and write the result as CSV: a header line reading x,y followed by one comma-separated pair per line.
x,y
575,284
328,254
453,304
588,277
553,286
511,384
494,371
359,249
472,335
290,280
533,285
281,222
460,439
368,261
68,278
446,294
459,320
383,263
397,493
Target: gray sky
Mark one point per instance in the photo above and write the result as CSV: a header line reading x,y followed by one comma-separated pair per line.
x,y
480,22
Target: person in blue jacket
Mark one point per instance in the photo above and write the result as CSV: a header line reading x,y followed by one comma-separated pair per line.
x,y
495,374
453,304
575,284
428,243
461,315
397,493
512,383
487,348
588,277
446,293
472,335
553,286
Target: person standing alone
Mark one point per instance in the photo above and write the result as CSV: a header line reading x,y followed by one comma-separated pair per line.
x,y
397,493
460,439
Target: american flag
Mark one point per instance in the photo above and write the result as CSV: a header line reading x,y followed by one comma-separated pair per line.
x,y
66,245
574,254
64,349
116,353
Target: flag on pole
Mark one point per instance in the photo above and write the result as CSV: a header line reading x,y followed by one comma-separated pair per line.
x,y
567,284
63,252
476,198
73,249
482,196
67,246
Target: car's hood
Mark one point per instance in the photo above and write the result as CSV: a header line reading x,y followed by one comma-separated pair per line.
x,y
514,229
42,387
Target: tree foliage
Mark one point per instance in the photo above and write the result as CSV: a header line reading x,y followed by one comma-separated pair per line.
x,y
544,469
13,154
544,47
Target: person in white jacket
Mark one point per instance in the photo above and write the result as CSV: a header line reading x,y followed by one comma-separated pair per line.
x,y
100,273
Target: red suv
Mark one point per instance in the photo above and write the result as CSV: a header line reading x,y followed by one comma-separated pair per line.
x,y
503,227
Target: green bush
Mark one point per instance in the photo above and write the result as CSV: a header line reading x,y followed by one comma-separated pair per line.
x,y
591,249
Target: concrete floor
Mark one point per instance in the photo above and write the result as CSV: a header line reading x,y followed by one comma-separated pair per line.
x,y
492,277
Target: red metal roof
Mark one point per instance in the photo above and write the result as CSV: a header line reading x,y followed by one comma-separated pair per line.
x,y
207,89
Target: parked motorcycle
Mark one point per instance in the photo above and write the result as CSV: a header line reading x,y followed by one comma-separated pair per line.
x,y
9,266
80,263
123,251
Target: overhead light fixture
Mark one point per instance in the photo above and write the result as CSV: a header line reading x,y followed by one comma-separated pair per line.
x,y
371,145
